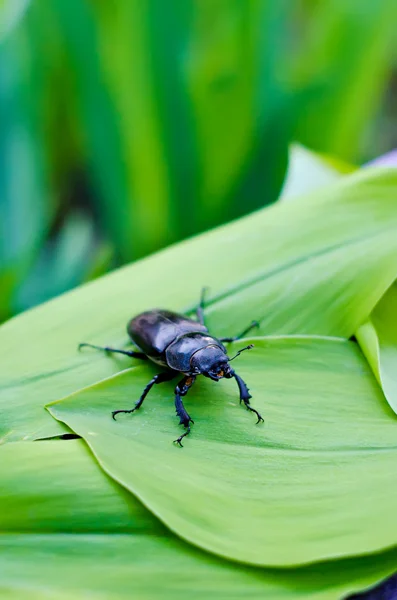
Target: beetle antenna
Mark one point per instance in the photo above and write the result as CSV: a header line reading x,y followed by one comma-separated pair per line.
x,y
240,351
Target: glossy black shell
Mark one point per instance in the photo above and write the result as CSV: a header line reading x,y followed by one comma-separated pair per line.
x,y
170,339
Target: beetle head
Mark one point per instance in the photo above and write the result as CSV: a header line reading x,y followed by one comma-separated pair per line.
x,y
212,362
219,370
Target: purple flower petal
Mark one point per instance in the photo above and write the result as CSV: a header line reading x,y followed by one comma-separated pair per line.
x,y
386,160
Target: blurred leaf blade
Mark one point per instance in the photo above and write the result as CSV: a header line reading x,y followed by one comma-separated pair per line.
x,y
130,75
11,11
231,75
24,214
62,263
341,80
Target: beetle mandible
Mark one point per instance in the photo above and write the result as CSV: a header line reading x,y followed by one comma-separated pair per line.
x,y
181,345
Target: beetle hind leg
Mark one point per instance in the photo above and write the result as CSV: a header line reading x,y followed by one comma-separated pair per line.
x,y
108,350
253,325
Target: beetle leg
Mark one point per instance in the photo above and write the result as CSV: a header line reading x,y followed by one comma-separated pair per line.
x,y
130,353
184,419
241,335
245,396
159,378
200,308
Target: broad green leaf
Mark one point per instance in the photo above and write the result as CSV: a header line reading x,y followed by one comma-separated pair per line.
x,y
61,520
317,266
377,336
56,487
378,340
300,488
157,568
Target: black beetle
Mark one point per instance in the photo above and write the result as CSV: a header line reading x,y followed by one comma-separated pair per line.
x,y
181,345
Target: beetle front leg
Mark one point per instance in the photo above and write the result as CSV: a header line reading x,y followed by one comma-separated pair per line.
x,y
160,378
184,419
245,396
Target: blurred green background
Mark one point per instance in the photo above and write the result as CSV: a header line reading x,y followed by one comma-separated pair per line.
x,y
126,125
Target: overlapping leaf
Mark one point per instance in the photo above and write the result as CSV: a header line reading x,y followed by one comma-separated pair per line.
x,y
300,488
378,339
147,562
55,486
308,171
377,336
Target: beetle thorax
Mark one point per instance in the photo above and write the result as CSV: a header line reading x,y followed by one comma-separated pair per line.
x,y
194,352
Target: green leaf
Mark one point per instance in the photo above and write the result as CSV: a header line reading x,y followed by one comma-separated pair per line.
x,y
377,336
55,486
378,341
151,568
68,530
317,266
300,488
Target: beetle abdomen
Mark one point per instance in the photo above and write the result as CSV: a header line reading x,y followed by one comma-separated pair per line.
x,y
153,331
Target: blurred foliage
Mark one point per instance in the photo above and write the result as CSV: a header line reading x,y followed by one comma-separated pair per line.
x,y
128,125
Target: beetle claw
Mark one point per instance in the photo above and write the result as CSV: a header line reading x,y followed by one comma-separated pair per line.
x,y
260,418
116,412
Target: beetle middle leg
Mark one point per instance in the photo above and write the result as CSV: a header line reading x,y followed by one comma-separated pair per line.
x,y
245,396
242,334
200,308
159,378
184,419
